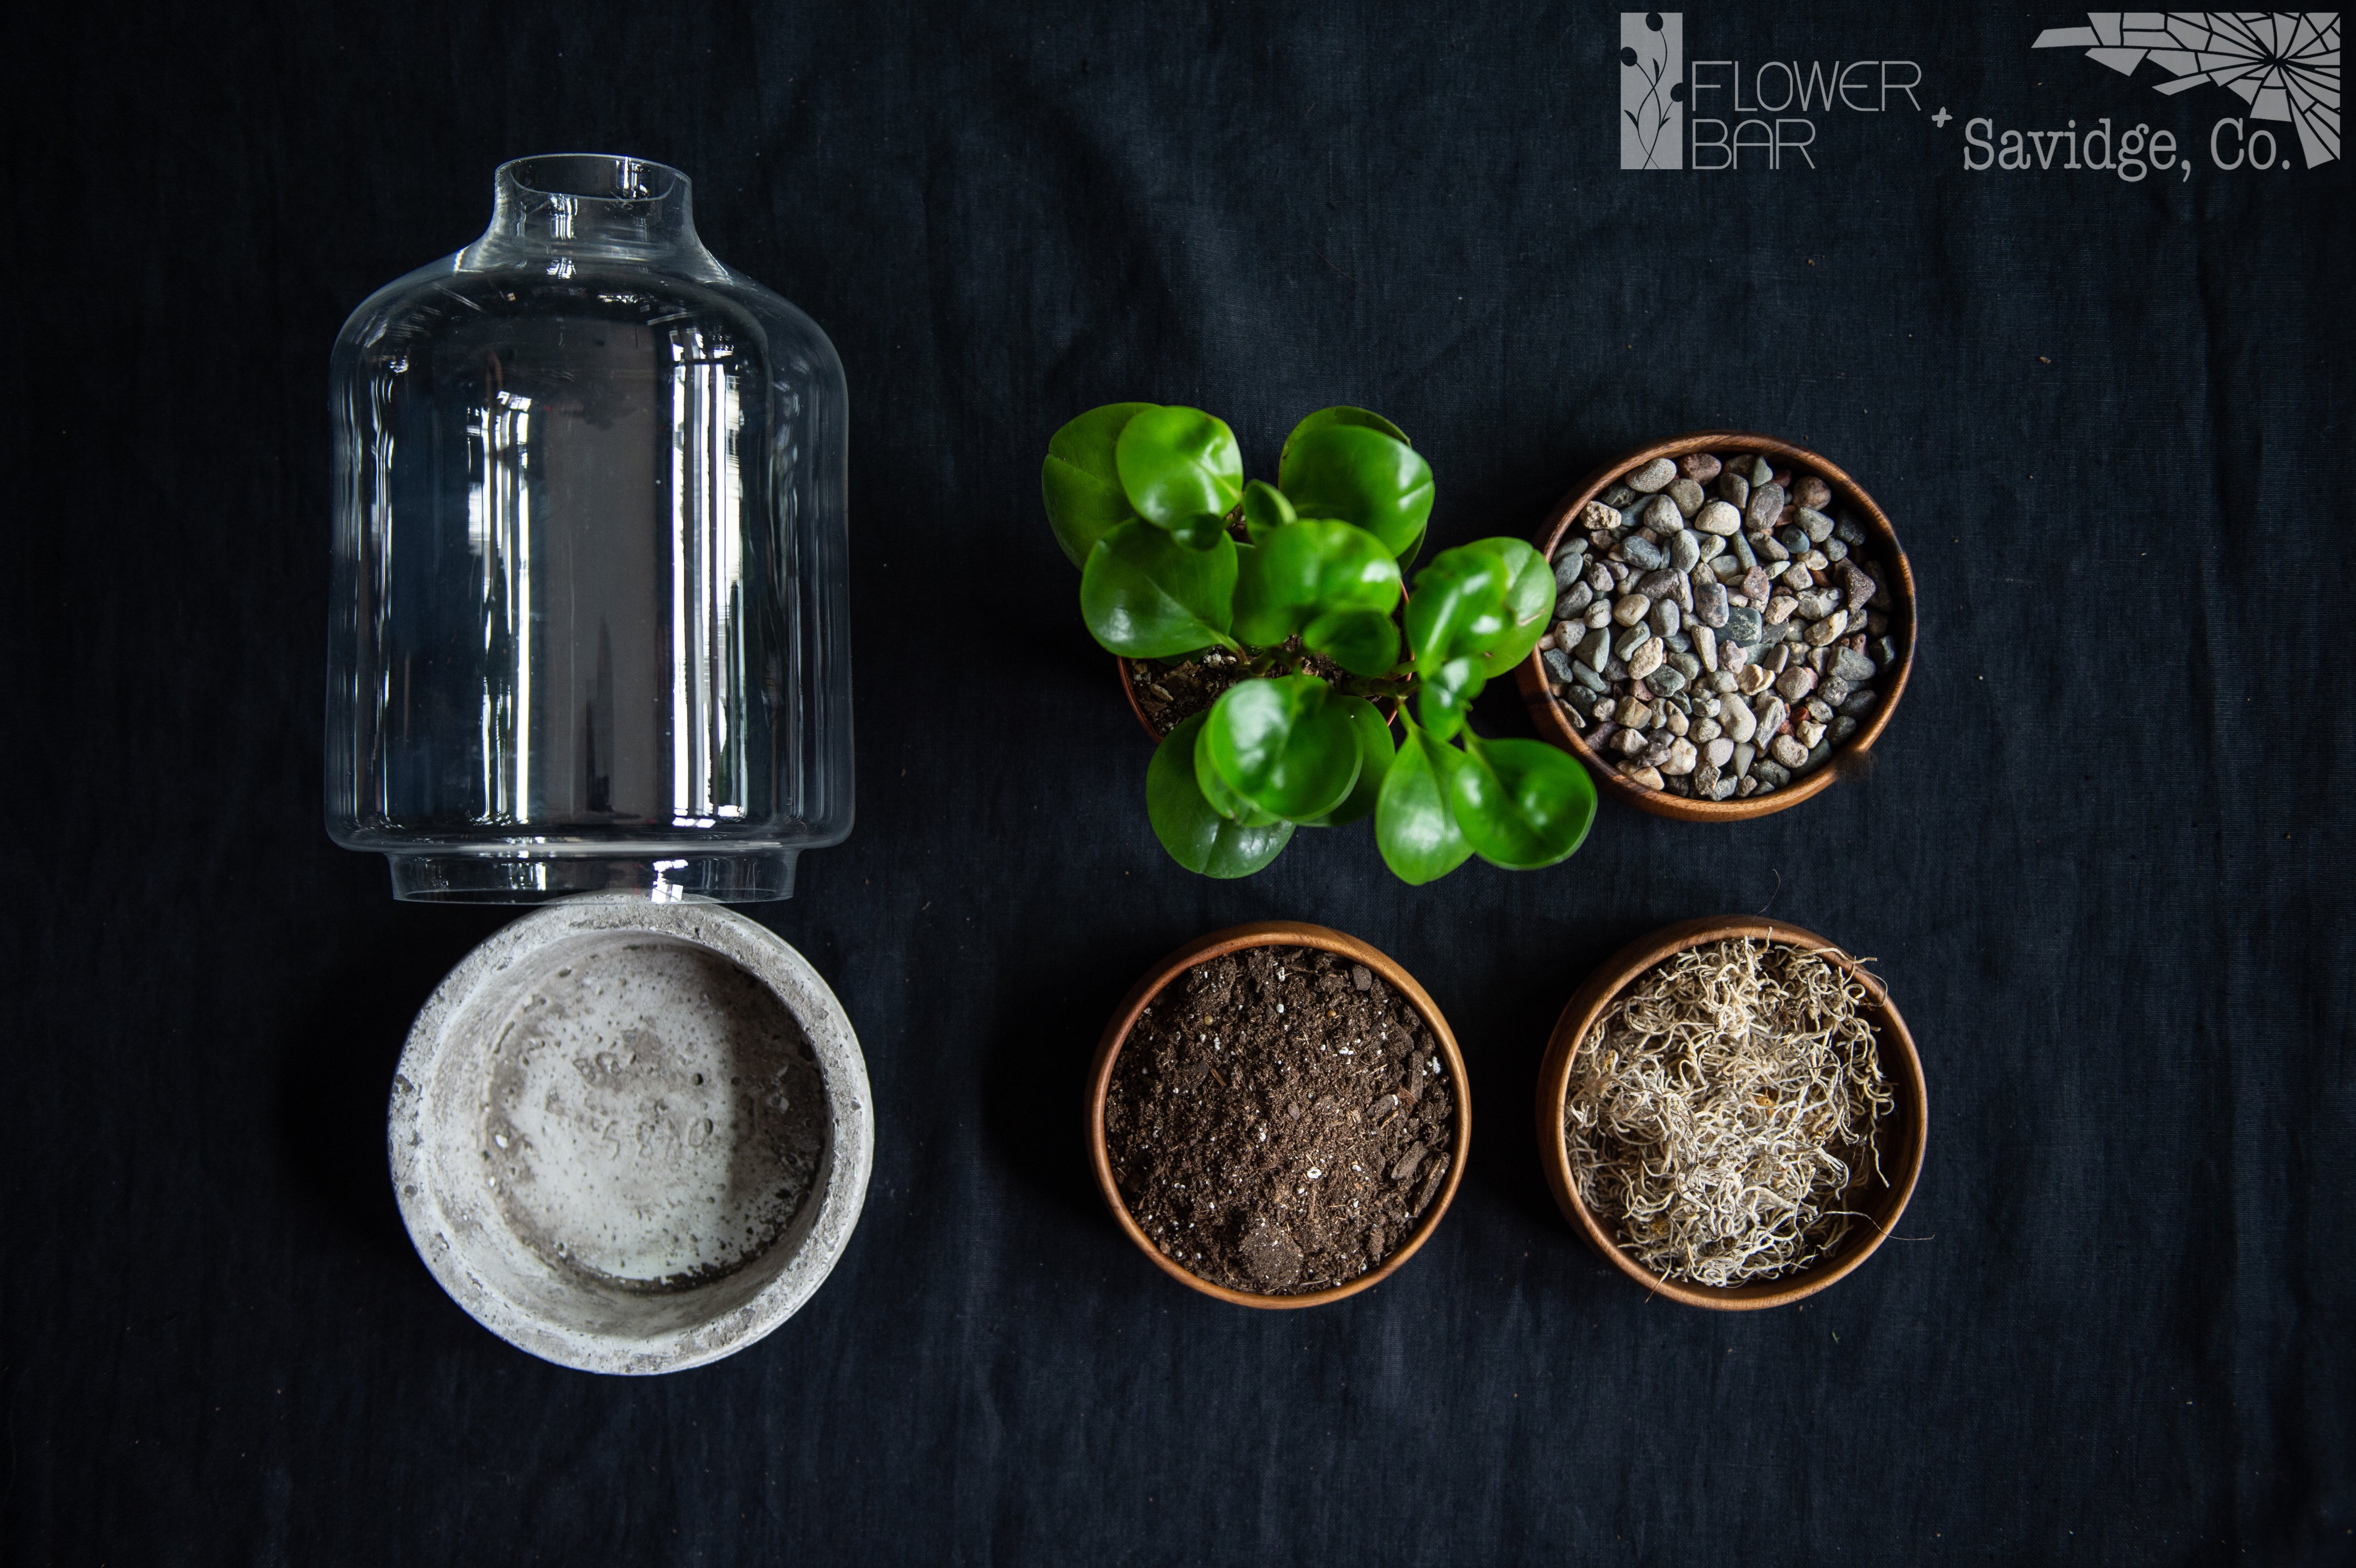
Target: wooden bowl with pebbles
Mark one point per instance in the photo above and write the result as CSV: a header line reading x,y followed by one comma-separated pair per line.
x,y
1753,616
1732,1112
1277,1115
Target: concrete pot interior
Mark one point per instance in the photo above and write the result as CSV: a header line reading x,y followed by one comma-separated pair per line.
x,y
630,1136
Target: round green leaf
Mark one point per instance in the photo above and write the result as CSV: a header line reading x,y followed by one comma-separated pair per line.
x,y
1197,836
1177,464
1284,744
1300,571
1265,508
1145,595
1363,477
1414,826
1376,749
1522,803
1221,794
1340,415
1080,482
1363,642
1445,693
1529,600
1459,605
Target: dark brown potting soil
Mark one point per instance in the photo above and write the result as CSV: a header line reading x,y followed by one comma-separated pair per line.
x,y
1171,691
1277,1120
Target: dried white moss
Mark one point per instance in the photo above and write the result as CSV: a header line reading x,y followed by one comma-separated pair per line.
x,y
1719,1107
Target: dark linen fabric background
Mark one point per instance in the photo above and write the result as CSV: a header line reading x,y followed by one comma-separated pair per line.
x,y
2103,862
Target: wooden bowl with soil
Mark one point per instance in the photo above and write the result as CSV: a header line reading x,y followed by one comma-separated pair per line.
x,y
1878,1191
1277,1115
1554,721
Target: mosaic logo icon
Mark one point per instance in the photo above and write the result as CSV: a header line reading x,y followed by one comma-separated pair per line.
x,y
2284,65
1652,89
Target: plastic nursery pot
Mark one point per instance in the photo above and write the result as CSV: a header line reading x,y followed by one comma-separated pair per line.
x,y
631,1137
1274,934
1881,1198
1554,725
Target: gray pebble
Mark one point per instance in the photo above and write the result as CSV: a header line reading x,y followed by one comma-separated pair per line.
x,y
1596,647
1558,665
1886,651
1772,714
1849,530
1816,755
1626,644
1573,602
1568,569
1770,775
1794,539
1835,550
1742,551
1685,494
1661,585
1667,680
1765,508
1816,606
1743,626
1732,486
1857,703
1814,524
1661,515
1653,477
1712,546
1857,585
1588,679
1683,660
1769,546
1834,690
1684,550
1718,519
1843,728
1598,576
1853,667
1705,643
1643,553
1709,604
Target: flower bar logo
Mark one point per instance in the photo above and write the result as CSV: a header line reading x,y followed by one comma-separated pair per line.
x,y
1652,89
1770,110
2284,66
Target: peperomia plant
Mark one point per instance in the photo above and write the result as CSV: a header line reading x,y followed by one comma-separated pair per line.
x,y
1179,554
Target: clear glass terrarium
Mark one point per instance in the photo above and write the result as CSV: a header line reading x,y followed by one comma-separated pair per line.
x,y
588,627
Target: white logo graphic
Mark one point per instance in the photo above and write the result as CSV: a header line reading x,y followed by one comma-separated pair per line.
x,y
1652,89
2284,66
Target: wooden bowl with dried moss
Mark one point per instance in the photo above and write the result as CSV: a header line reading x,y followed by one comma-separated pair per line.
x,y
1732,1112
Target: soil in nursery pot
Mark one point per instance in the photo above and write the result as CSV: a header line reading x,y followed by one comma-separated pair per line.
x,y
1277,1120
1171,691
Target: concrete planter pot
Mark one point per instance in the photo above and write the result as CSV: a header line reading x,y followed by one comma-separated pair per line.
x,y
630,1136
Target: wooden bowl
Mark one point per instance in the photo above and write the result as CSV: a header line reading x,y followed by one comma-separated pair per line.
x,y
1881,1199
1538,692
1275,933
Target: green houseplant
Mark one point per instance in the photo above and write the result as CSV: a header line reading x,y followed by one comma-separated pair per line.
x,y
1178,554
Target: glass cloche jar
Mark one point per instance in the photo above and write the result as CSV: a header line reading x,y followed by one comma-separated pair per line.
x,y
588,627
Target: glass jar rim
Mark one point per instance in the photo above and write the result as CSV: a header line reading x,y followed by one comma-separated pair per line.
x,y
594,177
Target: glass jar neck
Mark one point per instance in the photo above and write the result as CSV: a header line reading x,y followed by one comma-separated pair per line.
x,y
558,207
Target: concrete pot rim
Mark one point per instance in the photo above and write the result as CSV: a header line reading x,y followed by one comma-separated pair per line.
x,y
488,977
